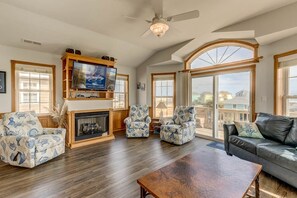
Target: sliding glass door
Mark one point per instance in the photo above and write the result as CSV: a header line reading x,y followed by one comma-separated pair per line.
x,y
221,98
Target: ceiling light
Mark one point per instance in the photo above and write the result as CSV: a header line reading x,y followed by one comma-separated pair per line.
x,y
159,27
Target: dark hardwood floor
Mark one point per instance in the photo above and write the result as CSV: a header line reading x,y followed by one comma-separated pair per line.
x,y
108,169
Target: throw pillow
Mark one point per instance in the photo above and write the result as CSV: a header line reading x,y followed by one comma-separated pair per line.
x,y
274,127
291,138
248,129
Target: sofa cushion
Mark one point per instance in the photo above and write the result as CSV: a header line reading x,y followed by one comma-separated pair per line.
x,y
248,129
44,142
291,138
282,155
249,144
274,127
139,125
22,124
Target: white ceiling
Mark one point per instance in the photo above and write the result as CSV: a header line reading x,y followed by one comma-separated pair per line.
x,y
98,27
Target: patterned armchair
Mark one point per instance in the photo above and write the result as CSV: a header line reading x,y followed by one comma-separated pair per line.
x,y
181,128
23,141
138,122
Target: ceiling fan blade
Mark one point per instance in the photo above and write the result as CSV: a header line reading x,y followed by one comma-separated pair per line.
x,y
184,16
134,18
146,33
158,7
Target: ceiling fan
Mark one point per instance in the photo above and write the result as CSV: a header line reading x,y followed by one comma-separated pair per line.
x,y
159,25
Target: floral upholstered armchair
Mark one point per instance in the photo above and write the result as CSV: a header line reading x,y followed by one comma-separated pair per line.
x,y
138,122
181,128
23,141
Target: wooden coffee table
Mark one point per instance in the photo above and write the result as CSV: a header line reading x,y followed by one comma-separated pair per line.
x,y
204,173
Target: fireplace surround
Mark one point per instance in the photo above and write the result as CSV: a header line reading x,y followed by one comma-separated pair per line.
x,y
89,126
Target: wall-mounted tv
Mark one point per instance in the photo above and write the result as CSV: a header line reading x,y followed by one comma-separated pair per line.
x,y
93,77
111,75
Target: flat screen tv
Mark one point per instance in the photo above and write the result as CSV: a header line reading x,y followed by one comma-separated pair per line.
x,y
111,75
88,76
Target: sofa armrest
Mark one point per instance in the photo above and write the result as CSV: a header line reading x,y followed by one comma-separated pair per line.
x,y
188,124
229,129
55,131
18,150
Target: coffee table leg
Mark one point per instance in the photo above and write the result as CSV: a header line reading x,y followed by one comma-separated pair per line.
x,y
257,188
142,192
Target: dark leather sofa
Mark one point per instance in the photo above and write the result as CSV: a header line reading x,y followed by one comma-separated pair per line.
x,y
277,153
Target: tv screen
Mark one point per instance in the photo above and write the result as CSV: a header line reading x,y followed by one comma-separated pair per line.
x,y
111,74
88,76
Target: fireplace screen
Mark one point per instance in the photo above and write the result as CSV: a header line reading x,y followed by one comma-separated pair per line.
x,y
90,125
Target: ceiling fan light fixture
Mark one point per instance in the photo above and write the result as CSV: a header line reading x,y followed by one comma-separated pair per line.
x,y
159,28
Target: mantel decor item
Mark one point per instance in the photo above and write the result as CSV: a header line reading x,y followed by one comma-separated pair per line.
x,y
2,82
58,114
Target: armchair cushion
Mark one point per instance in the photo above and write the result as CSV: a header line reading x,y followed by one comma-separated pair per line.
x,y
22,124
44,142
55,131
173,128
139,125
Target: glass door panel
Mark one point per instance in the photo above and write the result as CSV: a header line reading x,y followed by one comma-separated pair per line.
x,y
234,94
202,99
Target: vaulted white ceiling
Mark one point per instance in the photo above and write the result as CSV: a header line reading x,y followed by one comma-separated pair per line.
x,y
98,27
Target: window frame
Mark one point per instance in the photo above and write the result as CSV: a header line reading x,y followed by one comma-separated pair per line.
x,y
281,88
126,94
209,46
153,90
13,82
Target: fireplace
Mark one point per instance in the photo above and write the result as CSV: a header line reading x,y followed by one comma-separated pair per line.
x,y
91,125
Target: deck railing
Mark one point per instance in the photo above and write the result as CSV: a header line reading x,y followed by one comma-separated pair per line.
x,y
204,116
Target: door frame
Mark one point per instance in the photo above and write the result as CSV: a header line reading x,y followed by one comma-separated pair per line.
x,y
250,68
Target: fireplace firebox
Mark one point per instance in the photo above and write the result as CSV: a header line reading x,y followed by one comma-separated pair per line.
x,y
90,125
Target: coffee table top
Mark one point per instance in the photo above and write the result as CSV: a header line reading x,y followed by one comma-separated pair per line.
x,y
203,173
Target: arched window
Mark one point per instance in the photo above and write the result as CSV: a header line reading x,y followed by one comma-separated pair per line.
x,y
222,53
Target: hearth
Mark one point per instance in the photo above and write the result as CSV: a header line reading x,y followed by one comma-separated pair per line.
x,y
90,125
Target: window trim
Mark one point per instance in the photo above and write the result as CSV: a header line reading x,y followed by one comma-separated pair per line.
x,y
278,103
209,46
13,85
153,90
126,95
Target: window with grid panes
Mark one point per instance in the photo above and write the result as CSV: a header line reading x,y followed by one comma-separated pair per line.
x,y
34,88
163,91
121,92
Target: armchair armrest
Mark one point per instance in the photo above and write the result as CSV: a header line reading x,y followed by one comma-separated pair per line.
x,y
128,121
55,131
18,150
148,119
229,129
188,124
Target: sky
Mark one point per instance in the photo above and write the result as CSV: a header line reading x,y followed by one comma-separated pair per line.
x,y
227,82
